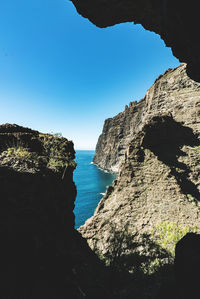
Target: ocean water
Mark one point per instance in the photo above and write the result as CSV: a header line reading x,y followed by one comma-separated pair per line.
x,y
91,183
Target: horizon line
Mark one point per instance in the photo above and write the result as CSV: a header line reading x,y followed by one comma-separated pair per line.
x,y
84,149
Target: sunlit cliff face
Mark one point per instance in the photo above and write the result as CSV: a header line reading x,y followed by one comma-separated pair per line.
x,y
176,22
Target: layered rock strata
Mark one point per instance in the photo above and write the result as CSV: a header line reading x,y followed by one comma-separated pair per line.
x,y
177,23
159,176
41,254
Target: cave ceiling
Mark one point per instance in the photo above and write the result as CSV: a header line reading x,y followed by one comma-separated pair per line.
x,y
177,22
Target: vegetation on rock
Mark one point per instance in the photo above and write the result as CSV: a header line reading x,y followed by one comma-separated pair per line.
x,y
169,233
28,150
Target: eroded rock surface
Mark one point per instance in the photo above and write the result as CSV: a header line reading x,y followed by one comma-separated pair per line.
x,y
159,175
176,22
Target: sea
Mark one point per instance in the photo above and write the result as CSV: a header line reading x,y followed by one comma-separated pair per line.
x,y
91,183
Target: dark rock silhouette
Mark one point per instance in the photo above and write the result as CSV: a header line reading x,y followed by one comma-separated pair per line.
x,y
187,265
41,254
184,284
177,23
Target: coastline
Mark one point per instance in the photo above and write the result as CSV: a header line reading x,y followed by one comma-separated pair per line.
x,y
92,183
105,170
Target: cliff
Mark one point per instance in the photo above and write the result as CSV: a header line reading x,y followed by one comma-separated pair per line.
x,y
41,254
156,193
172,93
113,141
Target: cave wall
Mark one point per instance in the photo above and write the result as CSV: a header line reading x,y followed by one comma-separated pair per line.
x,y
177,23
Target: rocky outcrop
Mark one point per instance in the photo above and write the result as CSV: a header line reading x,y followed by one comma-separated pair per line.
x,y
41,254
158,181
177,23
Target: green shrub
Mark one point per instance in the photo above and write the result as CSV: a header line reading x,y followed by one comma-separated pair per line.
x,y
58,164
169,233
192,199
54,163
20,153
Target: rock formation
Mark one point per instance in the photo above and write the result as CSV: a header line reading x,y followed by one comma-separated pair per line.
x,y
177,23
158,181
41,254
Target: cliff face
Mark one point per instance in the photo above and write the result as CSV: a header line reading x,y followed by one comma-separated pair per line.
x,y
158,179
177,23
114,139
172,93
41,254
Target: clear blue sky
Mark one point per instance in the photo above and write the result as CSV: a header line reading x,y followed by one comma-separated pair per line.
x,y
60,73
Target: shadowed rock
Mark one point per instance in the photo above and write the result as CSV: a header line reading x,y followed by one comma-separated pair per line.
x,y
187,265
165,137
42,256
176,22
